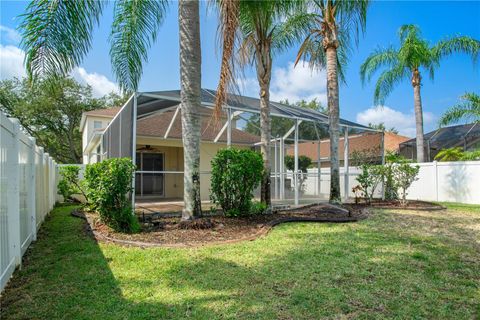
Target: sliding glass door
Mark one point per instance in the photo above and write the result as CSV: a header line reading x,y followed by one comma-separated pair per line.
x,y
149,179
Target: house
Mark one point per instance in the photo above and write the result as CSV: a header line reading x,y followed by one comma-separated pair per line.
x,y
368,143
159,149
466,136
148,130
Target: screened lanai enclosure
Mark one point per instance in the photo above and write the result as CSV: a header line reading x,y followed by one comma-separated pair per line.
x,y
153,141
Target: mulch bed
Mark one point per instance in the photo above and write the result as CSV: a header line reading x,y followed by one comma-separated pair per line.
x,y
218,229
395,204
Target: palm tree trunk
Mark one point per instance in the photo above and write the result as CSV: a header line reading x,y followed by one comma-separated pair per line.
x,y
264,74
333,122
190,80
416,82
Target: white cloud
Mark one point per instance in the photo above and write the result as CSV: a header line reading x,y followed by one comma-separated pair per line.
x,y
10,35
11,65
403,122
292,83
100,84
11,62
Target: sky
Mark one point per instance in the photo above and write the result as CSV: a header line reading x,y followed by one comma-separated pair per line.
x,y
437,20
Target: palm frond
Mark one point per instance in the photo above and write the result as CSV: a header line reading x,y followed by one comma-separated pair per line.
x,y
228,27
459,44
468,110
134,30
56,35
409,31
292,30
387,81
378,59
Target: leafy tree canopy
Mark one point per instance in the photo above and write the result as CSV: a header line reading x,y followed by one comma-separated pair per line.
x,y
50,110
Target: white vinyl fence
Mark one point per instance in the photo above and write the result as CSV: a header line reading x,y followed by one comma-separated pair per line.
x,y
28,191
437,181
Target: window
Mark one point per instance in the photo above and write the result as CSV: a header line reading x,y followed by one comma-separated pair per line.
x,y
97,124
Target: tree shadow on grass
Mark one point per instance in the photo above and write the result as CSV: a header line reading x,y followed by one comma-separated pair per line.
x,y
300,271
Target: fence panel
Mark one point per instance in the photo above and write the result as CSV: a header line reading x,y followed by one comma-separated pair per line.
x,y
437,181
28,187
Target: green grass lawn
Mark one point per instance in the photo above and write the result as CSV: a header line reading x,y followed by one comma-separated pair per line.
x,y
403,264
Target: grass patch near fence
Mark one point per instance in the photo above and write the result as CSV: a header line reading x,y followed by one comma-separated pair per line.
x,y
405,264
474,208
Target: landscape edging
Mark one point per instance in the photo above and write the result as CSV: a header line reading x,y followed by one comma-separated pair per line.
x,y
262,232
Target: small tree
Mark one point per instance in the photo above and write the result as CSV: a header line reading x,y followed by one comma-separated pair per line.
x,y
70,184
235,174
391,187
109,182
303,163
369,180
405,174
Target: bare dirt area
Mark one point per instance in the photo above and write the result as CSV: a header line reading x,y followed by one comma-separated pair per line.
x,y
218,229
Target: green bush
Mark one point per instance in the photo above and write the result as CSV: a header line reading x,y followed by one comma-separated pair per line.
x,y
235,174
70,184
369,179
258,208
303,163
405,174
109,182
391,187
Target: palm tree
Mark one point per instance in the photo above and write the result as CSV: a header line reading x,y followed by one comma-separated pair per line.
x,y
57,36
266,28
190,80
414,55
468,109
328,45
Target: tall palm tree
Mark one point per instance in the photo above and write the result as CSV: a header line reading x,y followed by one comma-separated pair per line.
x,y
266,28
328,45
414,56
190,80
57,35
468,109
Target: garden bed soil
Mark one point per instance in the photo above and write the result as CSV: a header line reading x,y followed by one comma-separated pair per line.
x,y
218,229
395,204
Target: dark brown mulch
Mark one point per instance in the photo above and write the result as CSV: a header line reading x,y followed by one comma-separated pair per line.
x,y
211,230
395,204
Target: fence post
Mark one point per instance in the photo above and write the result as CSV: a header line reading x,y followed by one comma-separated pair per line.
x,y
32,189
13,197
435,168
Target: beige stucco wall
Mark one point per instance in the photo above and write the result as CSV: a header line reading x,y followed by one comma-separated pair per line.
x,y
173,150
87,134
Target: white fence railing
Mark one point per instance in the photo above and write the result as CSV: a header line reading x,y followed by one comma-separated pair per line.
x,y
28,191
437,181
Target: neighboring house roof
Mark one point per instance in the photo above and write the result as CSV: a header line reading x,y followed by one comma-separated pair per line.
x,y
449,137
466,136
107,112
358,142
104,113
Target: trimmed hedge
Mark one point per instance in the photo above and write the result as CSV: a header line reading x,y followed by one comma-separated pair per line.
x,y
108,184
235,174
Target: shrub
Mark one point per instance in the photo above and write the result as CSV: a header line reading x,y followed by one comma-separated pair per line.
x,y
391,187
235,174
303,163
70,184
258,208
405,174
109,183
369,179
